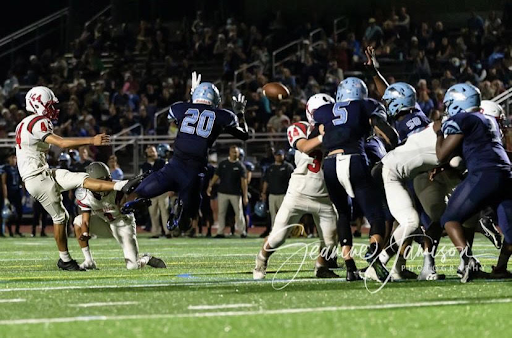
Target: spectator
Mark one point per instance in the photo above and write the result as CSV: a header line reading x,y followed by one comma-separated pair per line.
x,y
373,33
279,122
425,102
158,210
232,190
275,184
83,161
13,192
115,171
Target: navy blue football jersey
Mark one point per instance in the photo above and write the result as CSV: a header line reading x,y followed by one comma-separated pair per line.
x,y
481,146
199,125
13,179
411,123
375,150
347,124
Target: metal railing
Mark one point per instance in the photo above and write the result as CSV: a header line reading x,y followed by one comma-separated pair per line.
x,y
294,44
97,15
314,34
242,71
339,26
13,38
504,100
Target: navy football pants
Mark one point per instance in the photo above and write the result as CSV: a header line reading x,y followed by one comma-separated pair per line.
x,y
479,190
366,194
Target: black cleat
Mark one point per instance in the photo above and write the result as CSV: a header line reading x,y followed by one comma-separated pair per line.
x,y
500,273
135,205
473,270
156,262
133,183
357,234
72,265
353,276
490,231
324,272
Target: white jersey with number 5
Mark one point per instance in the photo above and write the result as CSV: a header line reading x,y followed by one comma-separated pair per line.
x,y
31,149
308,176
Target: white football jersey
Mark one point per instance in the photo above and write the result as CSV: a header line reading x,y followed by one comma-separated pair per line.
x,y
105,207
417,155
308,176
31,149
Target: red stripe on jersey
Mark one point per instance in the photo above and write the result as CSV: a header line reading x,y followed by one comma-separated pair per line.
x,y
302,127
82,204
33,122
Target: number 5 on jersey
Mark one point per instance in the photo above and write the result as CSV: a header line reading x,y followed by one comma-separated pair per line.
x,y
340,113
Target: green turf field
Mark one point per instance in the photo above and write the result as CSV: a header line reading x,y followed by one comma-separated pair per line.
x,y
207,291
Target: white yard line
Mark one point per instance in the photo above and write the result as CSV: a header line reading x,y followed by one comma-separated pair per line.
x,y
103,304
220,306
253,313
14,300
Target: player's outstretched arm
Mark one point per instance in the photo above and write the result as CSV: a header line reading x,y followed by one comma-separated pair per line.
x,y
241,131
371,65
72,142
384,130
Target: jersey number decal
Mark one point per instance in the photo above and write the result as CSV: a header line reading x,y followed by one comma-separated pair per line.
x,y
18,135
412,123
340,113
317,160
204,126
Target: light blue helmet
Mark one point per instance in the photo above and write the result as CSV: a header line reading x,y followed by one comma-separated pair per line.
x,y
206,93
350,89
399,96
163,149
63,157
461,97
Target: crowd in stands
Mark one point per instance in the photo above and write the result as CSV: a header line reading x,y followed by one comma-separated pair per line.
x,y
120,75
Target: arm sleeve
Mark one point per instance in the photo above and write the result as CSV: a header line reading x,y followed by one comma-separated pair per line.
x,y
296,132
451,127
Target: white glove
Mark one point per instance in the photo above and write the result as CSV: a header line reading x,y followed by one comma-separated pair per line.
x,y
239,102
196,80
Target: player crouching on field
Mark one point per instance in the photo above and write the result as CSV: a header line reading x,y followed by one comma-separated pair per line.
x,y
101,209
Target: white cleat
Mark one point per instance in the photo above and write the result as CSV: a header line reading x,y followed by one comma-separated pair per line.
x,y
396,274
89,265
260,270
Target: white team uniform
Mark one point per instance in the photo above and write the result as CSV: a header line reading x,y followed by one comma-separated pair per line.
x,y
416,156
306,193
43,183
105,214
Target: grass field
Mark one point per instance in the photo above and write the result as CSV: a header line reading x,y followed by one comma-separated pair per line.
x,y
207,291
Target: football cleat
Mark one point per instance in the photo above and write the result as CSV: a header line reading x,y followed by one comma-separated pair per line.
x,y
135,205
353,276
155,262
72,265
88,265
490,231
473,270
324,272
260,270
500,273
377,272
133,183
401,274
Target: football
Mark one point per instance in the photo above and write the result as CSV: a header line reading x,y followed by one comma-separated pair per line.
x,y
275,91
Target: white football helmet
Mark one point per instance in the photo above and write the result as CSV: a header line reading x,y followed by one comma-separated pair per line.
x,y
493,109
315,102
40,100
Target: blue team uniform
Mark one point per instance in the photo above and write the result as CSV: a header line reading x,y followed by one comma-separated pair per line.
x,y
411,123
347,126
14,191
199,125
489,179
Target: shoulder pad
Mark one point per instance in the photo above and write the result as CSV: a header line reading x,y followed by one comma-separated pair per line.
x,y
81,194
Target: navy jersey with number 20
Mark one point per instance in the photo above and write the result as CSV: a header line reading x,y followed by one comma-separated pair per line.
x,y
199,125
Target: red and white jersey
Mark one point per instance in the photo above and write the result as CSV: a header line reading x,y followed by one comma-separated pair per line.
x,y
308,176
105,207
31,149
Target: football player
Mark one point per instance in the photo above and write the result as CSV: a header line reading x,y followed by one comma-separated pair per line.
x,y
199,124
489,175
101,210
306,193
34,136
347,123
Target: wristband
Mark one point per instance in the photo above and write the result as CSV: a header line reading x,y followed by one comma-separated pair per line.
x,y
320,138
